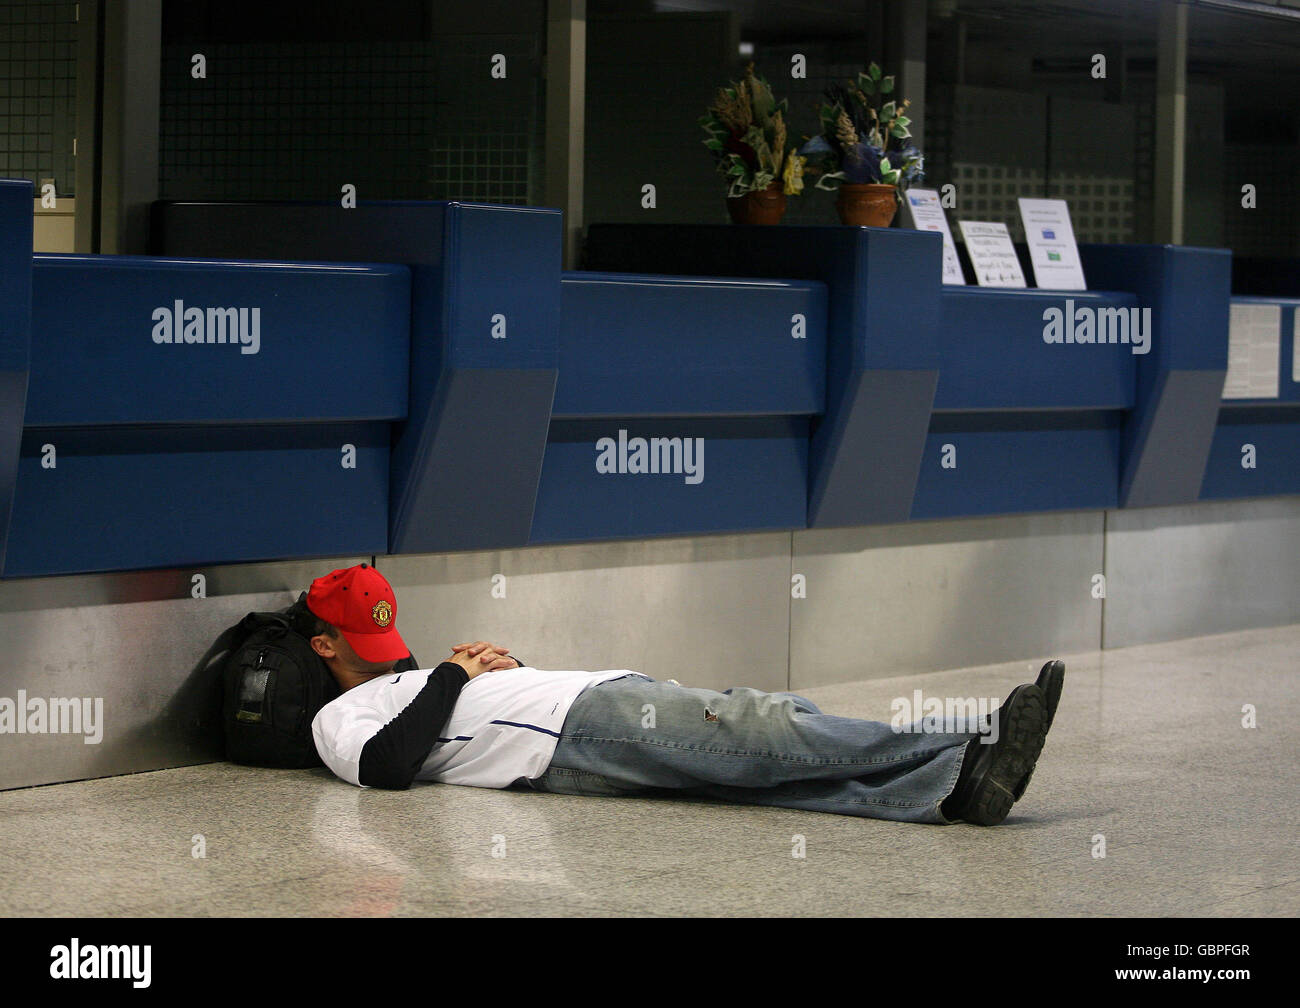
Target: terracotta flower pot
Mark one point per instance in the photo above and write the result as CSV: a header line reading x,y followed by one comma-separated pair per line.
x,y
766,206
871,205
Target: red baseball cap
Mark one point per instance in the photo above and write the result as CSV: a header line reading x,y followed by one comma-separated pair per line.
x,y
362,604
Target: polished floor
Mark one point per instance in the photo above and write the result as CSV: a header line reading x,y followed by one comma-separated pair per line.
x,y
1149,763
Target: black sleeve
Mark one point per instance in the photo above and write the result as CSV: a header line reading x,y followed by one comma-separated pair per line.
x,y
394,754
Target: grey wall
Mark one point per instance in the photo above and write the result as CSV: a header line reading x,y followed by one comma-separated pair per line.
x,y
1205,569
708,611
401,110
132,641
896,599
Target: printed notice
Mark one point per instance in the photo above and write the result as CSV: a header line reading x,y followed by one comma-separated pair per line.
x,y
922,211
1254,350
988,243
1053,253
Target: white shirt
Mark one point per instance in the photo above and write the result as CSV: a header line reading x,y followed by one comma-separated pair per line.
x,y
504,727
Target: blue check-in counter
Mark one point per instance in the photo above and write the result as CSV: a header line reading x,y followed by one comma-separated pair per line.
x,y
882,342
1080,399
186,412
523,372
980,406
682,404
1025,417
15,335
1255,450
484,344
193,408
1165,437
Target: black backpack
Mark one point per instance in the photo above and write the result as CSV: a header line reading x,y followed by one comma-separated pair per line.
x,y
273,685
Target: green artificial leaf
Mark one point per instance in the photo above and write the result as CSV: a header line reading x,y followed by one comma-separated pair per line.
x,y
713,145
887,85
900,132
904,121
887,111
874,71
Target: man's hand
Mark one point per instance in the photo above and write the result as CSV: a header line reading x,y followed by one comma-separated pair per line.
x,y
476,664
483,647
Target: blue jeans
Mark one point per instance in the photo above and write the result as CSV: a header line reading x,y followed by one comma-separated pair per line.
x,y
634,734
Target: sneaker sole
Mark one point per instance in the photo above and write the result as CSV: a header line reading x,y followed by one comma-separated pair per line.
x,y
1023,730
1051,681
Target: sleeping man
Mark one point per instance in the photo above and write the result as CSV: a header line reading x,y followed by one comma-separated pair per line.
x,y
485,719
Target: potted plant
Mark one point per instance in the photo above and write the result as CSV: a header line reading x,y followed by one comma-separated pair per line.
x,y
864,150
747,136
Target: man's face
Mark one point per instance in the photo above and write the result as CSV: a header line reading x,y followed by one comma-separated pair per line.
x,y
338,654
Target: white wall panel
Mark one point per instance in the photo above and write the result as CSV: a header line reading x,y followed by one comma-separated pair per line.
x,y
1203,569
131,641
899,599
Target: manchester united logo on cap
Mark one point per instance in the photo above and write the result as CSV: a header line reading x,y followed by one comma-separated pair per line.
x,y
382,613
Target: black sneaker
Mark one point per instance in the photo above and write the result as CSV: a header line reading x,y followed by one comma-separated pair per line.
x,y
985,788
1050,680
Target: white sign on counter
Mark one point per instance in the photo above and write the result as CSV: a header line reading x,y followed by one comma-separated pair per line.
x,y
988,243
1295,347
1053,252
1254,349
922,211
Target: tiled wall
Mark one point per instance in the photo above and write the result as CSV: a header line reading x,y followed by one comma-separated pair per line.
x,y
1005,145
38,90
399,120
1269,228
